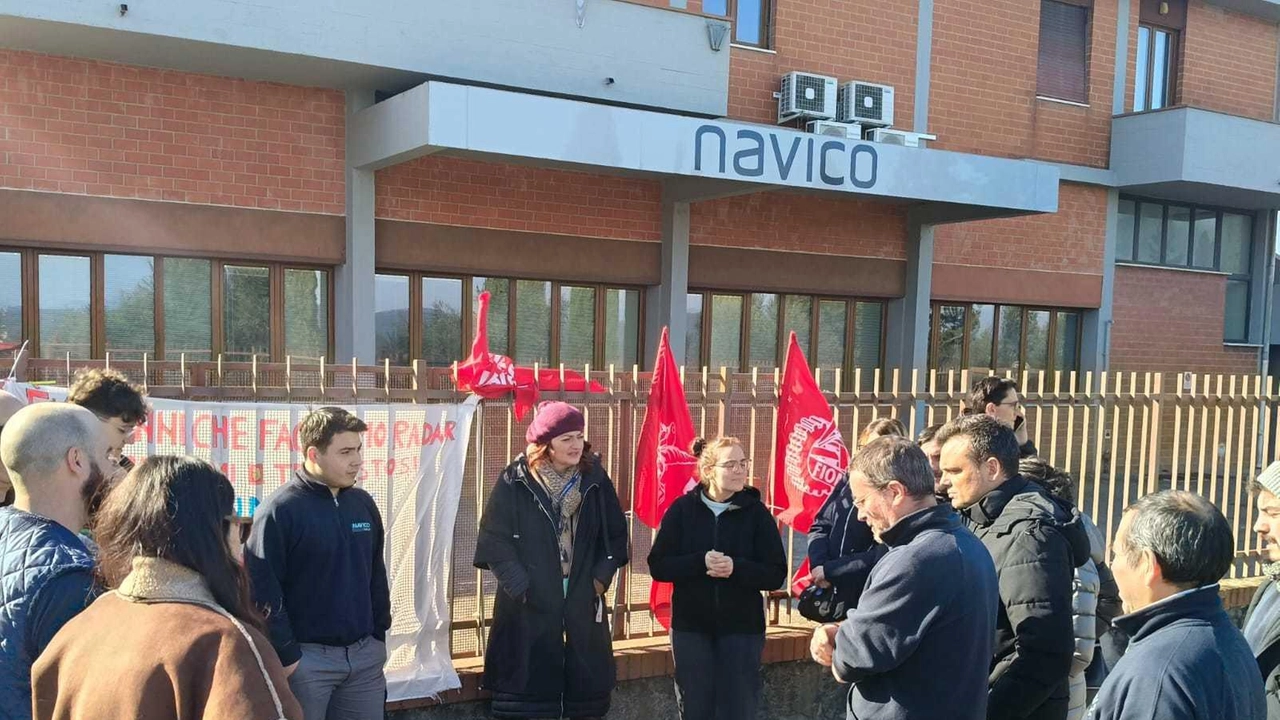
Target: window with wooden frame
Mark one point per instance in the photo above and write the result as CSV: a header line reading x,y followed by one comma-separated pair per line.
x,y
751,19
420,316
90,304
1062,68
1160,28
745,331
986,338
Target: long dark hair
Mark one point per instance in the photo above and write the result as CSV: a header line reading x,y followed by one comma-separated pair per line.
x,y
175,508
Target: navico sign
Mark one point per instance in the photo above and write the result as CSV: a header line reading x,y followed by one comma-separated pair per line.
x,y
785,157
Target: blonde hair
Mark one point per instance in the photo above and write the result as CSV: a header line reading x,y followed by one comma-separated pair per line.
x,y
705,451
881,427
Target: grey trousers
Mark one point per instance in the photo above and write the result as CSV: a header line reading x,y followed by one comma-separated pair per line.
x,y
341,683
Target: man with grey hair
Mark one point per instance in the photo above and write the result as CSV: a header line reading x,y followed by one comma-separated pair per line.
x,y
9,405
929,606
1037,543
1262,621
57,457
1186,660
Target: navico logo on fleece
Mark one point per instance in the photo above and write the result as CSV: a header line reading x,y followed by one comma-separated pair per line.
x,y
361,527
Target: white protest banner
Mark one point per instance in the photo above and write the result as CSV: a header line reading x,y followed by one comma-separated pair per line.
x,y
414,457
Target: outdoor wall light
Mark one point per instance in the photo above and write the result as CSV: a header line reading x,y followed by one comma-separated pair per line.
x,y
716,33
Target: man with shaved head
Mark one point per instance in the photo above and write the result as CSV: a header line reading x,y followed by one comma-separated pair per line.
x,y
57,456
8,406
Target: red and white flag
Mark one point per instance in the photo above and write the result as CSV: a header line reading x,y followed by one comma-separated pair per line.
x,y
665,468
490,375
811,456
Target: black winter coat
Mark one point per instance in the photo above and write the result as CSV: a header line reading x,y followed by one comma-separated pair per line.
x,y
745,532
842,545
550,654
1037,542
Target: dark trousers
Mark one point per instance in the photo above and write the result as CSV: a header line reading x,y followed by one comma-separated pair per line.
x,y
717,677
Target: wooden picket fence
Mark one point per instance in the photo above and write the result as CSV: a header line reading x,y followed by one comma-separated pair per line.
x,y
1120,435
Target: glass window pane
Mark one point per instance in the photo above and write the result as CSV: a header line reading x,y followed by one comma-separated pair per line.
x,y
621,328
64,306
747,24
1009,352
130,305
726,332
1160,70
577,326
764,331
867,331
1066,342
188,309
798,318
950,337
441,321
831,327
1177,236
391,318
1206,228
11,334
246,313
1037,339
533,322
1140,80
693,333
1235,327
1150,227
499,308
1237,231
306,313
982,323
1124,231
715,7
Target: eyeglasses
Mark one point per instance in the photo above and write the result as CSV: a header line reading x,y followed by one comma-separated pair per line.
x,y
735,464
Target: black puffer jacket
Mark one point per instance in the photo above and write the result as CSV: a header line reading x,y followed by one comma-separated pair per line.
x,y
550,653
1037,542
842,545
745,532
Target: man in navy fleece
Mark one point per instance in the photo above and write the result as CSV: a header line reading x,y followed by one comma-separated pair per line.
x,y
1185,660
929,606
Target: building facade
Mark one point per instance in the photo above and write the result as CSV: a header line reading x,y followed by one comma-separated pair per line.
x,y
302,179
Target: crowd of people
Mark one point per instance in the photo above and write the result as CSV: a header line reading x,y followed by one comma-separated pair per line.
x,y
951,576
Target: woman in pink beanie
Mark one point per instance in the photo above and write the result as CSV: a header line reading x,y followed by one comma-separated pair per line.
x,y
553,534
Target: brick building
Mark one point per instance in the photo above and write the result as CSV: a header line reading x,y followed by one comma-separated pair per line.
x,y
276,178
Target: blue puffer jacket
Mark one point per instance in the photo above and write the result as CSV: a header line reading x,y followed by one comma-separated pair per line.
x,y
46,578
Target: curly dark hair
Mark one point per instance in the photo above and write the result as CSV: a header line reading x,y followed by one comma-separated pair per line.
x,y
109,394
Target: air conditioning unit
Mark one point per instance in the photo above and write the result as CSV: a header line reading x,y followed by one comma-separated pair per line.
x,y
865,103
808,96
899,137
826,127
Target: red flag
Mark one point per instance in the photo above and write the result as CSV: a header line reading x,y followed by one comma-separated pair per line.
x,y
665,469
811,456
489,375
801,580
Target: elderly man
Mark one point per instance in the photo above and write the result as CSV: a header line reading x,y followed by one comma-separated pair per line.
x,y
8,406
920,642
57,456
1262,622
1185,660
1036,543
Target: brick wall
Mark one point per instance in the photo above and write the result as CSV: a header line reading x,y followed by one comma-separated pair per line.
x,y
1229,62
1070,240
453,191
785,221
97,128
849,39
1171,321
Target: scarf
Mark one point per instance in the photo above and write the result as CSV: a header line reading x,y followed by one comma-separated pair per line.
x,y
565,491
1272,570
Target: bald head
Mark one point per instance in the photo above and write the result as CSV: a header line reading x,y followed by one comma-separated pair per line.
x,y
44,441
9,405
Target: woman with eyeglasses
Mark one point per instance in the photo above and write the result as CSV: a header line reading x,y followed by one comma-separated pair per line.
x,y
720,548
177,637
